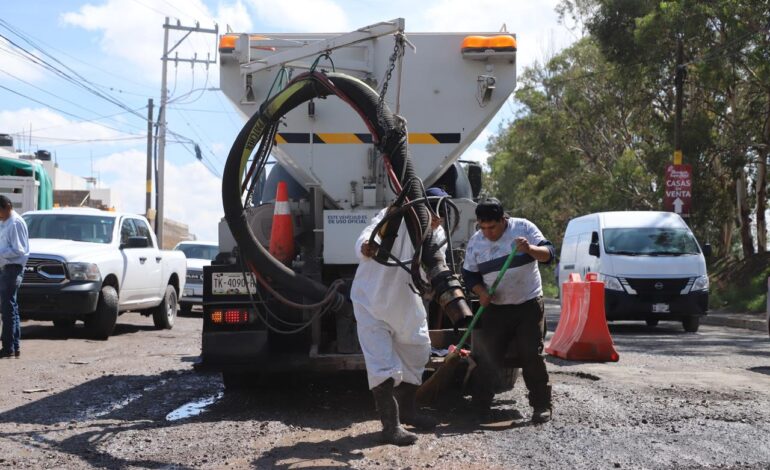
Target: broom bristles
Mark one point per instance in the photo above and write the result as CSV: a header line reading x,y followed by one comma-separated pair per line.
x,y
430,390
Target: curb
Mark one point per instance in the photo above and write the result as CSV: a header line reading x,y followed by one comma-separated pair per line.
x,y
756,324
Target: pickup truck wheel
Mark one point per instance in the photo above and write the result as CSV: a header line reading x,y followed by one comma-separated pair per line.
x,y
691,324
163,315
101,323
64,324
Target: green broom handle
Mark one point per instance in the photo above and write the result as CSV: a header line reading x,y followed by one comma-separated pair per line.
x,y
492,290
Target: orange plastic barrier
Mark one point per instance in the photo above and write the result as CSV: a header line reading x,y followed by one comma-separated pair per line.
x,y
582,333
282,232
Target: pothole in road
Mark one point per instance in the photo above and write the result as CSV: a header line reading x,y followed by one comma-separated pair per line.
x,y
580,375
760,370
193,408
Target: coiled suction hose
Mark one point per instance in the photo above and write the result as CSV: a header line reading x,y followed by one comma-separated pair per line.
x,y
388,135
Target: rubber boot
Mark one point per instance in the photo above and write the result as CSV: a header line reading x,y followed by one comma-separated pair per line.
x,y
392,431
543,409
406,395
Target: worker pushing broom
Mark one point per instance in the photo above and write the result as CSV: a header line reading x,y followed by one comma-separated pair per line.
x,y
501,268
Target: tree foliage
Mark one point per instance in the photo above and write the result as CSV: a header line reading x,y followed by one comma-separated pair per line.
x,y
594,127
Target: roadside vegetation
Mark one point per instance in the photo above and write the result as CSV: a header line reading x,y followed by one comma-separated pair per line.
x,y
593,129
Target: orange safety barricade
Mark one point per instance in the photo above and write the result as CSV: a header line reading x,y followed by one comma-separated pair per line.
x,y
582,333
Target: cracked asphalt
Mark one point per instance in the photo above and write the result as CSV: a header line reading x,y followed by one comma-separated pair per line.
x,y
674,400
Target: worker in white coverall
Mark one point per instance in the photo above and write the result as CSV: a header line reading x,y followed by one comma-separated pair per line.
x,y
393,332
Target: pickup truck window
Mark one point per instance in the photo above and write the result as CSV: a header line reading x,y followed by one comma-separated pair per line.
x,y
80,228
199,251
127,229
143,230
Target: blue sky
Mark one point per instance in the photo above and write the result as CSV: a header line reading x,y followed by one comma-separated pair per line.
x,y
113,47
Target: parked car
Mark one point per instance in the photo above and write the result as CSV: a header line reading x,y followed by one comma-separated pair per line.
x,y
92,265
199,254
652,266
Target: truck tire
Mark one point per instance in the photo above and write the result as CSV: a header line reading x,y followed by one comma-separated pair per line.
x,y
64,324
185,309
691,324
163,315
101,323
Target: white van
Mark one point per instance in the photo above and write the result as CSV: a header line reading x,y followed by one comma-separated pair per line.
x,y
652,267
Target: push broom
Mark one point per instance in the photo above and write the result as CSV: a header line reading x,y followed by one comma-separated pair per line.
x,y
440,380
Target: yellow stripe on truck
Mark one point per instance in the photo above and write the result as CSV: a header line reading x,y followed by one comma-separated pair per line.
x,y
340,138
422,138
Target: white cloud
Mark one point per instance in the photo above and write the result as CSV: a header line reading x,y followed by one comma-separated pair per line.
x,y
12,64
534,22
50,128
192,194
235,15
302,15
132,31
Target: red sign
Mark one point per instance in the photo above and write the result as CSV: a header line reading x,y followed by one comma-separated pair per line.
x,y
678,196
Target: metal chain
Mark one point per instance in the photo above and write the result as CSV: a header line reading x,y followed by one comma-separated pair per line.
x,y
398,50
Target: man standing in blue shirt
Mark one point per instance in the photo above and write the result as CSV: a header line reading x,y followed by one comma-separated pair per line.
x,y
14,252
515,314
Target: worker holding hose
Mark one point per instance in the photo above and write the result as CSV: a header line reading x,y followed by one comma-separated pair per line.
x,y
515,315
393,332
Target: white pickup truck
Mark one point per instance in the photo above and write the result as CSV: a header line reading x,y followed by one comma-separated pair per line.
x,y
92,265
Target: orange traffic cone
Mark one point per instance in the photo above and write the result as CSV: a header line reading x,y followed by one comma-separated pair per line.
x,y
282,233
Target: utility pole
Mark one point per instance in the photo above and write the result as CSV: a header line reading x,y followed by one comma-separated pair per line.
x,y
148,182
164,102
679,85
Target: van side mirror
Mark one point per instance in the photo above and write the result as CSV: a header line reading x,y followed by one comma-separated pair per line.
x,y
593,249
136,242
707,251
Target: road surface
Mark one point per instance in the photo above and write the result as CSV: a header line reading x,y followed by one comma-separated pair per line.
x,y
675,400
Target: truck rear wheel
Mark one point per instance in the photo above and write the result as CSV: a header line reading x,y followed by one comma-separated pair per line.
x,y
64,324
691,324
101,323
163,315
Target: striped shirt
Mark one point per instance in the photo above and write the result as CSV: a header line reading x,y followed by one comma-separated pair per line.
x,y
484,259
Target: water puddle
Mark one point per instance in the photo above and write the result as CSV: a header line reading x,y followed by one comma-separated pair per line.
x,y
193,408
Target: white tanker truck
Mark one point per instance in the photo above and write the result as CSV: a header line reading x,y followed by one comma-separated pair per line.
x,y
310,103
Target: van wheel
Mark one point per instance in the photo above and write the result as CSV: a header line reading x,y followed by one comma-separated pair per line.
x,y
163,315
101,323
652,322
691,324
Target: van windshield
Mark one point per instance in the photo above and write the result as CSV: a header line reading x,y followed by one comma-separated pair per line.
x,y
649,241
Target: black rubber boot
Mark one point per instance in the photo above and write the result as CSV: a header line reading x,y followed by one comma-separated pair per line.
x,y
543,409
406,394
392,431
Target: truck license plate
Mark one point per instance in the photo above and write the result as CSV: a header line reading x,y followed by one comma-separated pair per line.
x,y
660,308
232,284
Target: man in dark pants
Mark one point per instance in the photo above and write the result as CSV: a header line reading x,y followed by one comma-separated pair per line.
x,y
14,252
515,314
